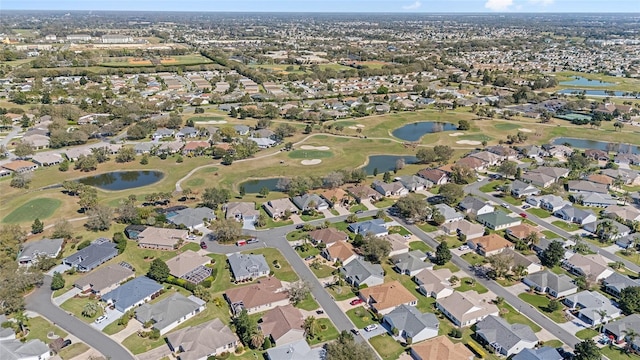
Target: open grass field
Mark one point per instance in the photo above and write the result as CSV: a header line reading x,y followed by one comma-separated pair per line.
x,y
386,346
360,317
565,226
39,327
207,118
466,284
40,208
128,61
310,154
585,334
75,306
541,213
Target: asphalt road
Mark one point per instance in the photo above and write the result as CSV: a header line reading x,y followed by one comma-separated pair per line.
x,y
40,302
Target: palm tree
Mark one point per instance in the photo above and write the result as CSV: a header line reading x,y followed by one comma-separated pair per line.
x,y
90,309
606,230
603,315
519,271
533,238
309,326
630,336
257,339
22,319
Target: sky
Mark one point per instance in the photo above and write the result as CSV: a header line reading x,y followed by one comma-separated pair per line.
x,y
408,6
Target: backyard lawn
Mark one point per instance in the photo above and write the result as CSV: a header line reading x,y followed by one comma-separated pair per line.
x,y
466,284
541,213
284,272
360,317
541,302
566,226
386,346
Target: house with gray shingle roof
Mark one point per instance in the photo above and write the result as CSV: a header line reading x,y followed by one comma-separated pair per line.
x,y
450,214
192,218
621,229
170,312
412,324
548,202
298,350
522,189
411,263
132,293
304,202
597,200
414,183
33,249
616,282
360,272
87,259
589,305
543,353
553,284
248,266
475,206
374,227
507,339
582,186
199,342
618,329
241,129
575,215
278,207
14,349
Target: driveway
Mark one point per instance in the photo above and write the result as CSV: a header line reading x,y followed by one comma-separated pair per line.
x,y
369,334
367,203
112,316
296,219
341,210
517,289
155,354
66,296
327,213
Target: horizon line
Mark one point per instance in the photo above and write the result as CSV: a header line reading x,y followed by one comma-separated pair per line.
x,y
338,12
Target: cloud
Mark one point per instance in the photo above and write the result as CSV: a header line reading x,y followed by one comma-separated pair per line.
x,y
413,6
499,5
542,2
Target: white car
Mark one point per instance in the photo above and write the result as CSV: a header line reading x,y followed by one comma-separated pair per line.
x,y
463,248
101,319
371,327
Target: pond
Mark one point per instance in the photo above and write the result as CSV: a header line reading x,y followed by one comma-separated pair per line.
x,y
413,132
122,180
603,93
386,162
600,145
582,81
254,186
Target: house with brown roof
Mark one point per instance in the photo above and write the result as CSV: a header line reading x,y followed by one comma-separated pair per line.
x,y
463,229
600,179
104,279
491,244
283,324
466,308
162,238
593,265
520,232
340,250
440,348
385,297
20,166
195,147
328,236
190,266
277,208
332,196
200,342
472,163
263,295
361,193
436,176
596,154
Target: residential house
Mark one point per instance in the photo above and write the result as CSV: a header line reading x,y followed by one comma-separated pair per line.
x,y
132,293
132,231
597,200
414,183
105,279
463,229
361,193
283,324
279,207
14,349
595,154
32,250
399,244
530,263
489,158
440,348
466,309
555,172
242,129
170,312
187,132
386,297
488,245
507,339
394,189
626,176
620,231
248,266
474,206
542,353
298,350
190,266
628,241
263,143
360,272
521,189
503,151
410,263
538,179
263,295
375,227
555,285
242,211
308,201
208,339
37,141
163,133
590,304
170,147
498,220
339,251
600,179
89,258
333,196
328,236
593,265
618,329
192,218
450,214
434,283
44,159
626,213
616,282
522,231
626,159
162,238
548,202
436,176
544,243
582,186
575,215
560,151
139,148
472,163
20,166
412,324
195,147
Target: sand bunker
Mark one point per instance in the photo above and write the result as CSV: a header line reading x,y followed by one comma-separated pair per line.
x,y
212,122
309,147
353,128
468,142
311,162
456,134
525,130
360,125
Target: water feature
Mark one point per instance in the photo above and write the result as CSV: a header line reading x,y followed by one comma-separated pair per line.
x,y
387,162
123,180
593,144
603,93
582,81
414,131
254,186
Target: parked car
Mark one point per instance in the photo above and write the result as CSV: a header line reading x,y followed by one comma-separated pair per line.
x,y
319,311
252,241
66,343
524,215
359,212
241,243
371,327
408,236
526,206
310,257
463,248
504,205
101,318
299,226
355,331
356,302
203,245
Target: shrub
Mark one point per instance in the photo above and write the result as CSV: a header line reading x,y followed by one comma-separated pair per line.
x,y
84,244
476,349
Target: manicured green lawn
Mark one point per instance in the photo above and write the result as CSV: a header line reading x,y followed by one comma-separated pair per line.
x,y
541,302
41,208
541,213
73,350
553,343
617,353
466,285
310,154
507,126
323,271
311,251
360,317
386,202
274,223
634,257
565,226
585,334
419,245
326,332
340,293
206,118
449,266
386,346
359,207
75,306
550,234
513,317
399,230
248,355
222,280
137,344
473,258
317,216
296,235
492,185
454,242
285,272
113,328
39,327
308,304
427,227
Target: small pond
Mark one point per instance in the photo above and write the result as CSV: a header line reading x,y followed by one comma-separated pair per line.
x,y
386,162
413,132
603,93
122,180
592,144
254,186
582,81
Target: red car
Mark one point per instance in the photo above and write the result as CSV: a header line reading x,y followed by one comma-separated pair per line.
x,y
523,215
356,302
203,245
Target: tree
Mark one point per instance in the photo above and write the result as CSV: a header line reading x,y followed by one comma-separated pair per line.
x,y
464,125
23,149
245,327
587,350
630,300
227,230
62,229
37,227
213,197
443,254
264,191
21,180
88,198
552,255
57,281
500,264
90,309
413,208
298,291
64,166
508,168
375,249
426,155
22,319
386,177
309,325
100,217
444,152
158,271
127,154
463,174
451,193
345,348
257,339
606,230
553,305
